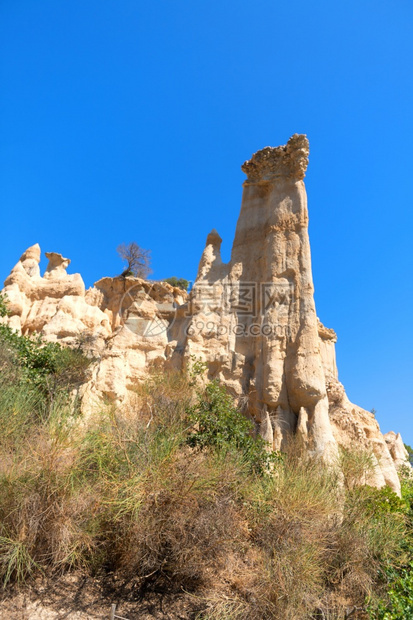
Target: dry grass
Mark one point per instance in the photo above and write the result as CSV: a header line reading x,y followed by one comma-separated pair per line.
x,y
358,466
130,496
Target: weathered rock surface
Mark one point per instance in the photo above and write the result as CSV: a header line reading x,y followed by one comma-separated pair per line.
x,y
253,320
396,447
264,322
120,321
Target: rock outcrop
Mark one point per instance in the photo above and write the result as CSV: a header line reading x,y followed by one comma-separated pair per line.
x,y
264,341
397,449
122,322
253,320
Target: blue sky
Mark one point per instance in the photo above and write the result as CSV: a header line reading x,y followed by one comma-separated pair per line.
x,y
126,120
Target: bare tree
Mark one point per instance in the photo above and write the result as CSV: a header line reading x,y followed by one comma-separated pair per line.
x,y
136,258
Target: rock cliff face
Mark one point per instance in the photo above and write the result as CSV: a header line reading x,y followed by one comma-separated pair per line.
x,y
253,320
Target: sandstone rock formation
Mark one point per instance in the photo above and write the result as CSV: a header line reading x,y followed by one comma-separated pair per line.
x,y
397,449
120,321
264,322
253,320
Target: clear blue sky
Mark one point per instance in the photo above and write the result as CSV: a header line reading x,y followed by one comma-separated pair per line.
x,y
127,120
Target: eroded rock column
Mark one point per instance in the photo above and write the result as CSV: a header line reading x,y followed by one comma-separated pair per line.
x,y
266,323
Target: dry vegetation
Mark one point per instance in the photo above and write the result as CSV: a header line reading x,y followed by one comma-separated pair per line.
x,y
133,496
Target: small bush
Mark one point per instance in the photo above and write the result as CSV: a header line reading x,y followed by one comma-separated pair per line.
x,y
397,577
48,366
399,603
178,282
219,424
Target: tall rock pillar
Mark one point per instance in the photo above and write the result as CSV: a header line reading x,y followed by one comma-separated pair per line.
x,y
266,318
272,249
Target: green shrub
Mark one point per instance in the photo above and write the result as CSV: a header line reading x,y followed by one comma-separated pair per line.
x,y
399,603
45,364
178,282
37,383
397,577
220,425
377,502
